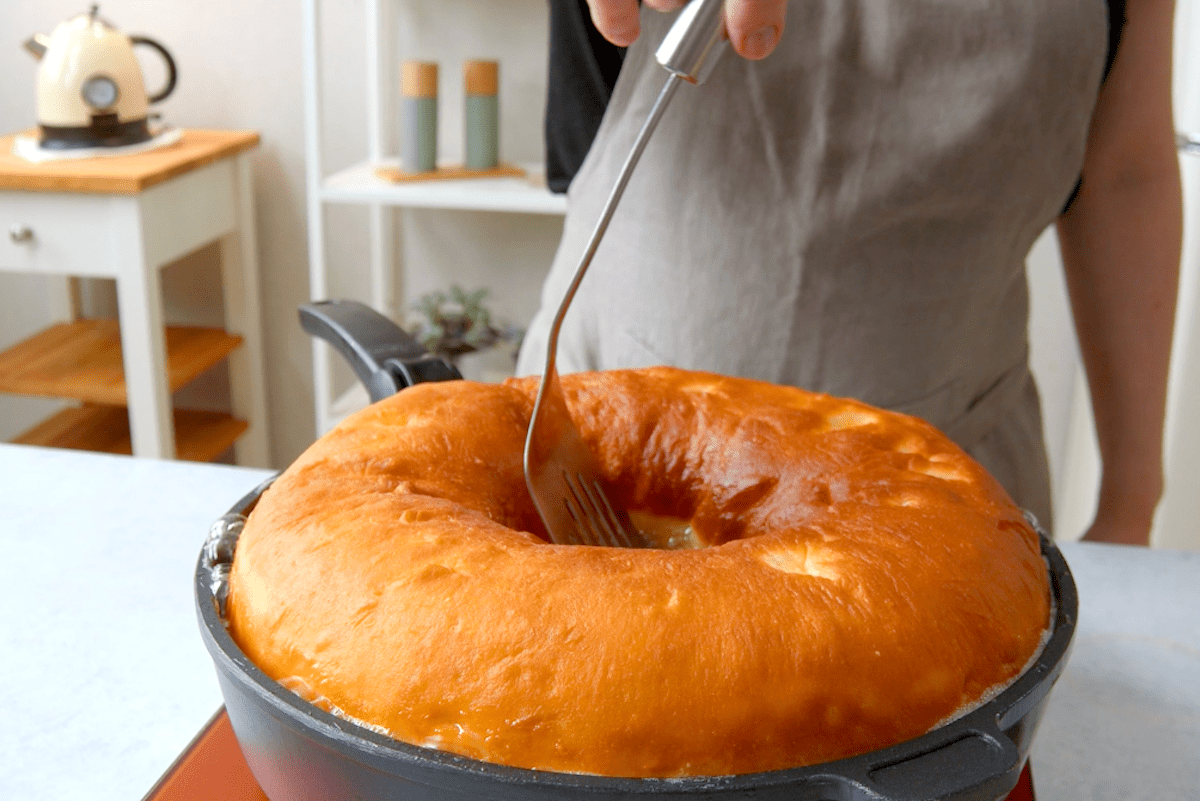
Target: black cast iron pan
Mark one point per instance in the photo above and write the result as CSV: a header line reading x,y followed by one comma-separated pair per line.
x,y
298,752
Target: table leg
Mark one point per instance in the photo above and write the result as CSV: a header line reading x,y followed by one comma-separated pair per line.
x,y
143,339
239,275
63,298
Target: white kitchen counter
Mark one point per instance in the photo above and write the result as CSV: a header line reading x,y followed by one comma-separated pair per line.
x,y
104,674
1123,722
106,679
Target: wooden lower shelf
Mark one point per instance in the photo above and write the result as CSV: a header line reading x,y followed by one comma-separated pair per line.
x,y
82,360
200,436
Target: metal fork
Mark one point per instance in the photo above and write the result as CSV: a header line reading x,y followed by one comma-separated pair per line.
x,y
560,471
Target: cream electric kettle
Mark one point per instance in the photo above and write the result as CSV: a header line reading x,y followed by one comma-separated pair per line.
x,y
90,91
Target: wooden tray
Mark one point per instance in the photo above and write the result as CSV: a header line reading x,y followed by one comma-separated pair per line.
x,y
449,172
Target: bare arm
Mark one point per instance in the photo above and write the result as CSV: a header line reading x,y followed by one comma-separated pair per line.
x,y
754,26
1120,244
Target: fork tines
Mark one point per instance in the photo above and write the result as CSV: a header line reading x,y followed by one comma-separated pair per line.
x,y
594,517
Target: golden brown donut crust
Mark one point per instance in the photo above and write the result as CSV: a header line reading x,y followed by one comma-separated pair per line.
x,y
867,579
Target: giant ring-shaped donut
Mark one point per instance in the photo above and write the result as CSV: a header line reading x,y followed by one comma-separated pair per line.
x,y
862,580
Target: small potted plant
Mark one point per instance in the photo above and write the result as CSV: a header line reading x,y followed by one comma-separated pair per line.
x,y
457,323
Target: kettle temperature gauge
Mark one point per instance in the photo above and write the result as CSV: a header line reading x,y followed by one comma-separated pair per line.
x,y
100,92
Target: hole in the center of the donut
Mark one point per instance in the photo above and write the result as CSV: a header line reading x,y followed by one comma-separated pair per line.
x,y
664,531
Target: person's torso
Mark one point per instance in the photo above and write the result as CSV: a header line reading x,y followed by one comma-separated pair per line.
x,y
850,215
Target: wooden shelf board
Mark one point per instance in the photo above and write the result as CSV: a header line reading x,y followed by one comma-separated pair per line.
x,y
200,436
121,175
82,360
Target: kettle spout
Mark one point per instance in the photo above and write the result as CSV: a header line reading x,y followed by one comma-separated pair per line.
x,y
37,45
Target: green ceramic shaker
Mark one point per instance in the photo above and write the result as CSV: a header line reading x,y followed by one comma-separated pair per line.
x,y
418,116
482,114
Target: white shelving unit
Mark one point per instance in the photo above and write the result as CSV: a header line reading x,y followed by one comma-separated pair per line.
x,y
359,185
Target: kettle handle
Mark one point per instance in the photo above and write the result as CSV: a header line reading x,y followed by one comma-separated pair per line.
x,y
170,62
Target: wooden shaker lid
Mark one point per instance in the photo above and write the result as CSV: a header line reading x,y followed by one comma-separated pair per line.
x,y
419,79
482,76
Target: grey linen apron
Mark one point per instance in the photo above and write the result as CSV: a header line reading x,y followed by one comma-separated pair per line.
x,y
850,215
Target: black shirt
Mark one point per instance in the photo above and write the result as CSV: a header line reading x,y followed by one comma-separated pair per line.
x,y
583,71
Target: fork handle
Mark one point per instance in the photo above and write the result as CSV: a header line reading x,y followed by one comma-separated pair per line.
x,y
695,41
385,357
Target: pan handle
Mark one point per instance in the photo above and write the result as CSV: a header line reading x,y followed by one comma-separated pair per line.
x,y
978,764
975,765
385,357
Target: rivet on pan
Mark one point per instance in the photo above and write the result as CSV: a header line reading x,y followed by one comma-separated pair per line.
x,y
218,585
222,539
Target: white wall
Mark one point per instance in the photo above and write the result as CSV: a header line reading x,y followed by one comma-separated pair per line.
x,y
1178,520
240,66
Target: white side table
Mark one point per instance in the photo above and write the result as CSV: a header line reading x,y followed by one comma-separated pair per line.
x,y
126,218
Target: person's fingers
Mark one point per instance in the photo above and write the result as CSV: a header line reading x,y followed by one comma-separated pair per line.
x,y
754,26
617,20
